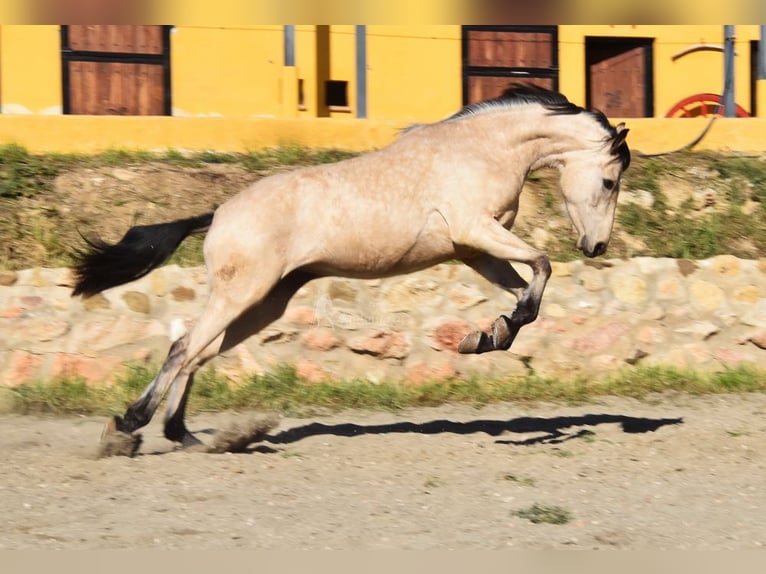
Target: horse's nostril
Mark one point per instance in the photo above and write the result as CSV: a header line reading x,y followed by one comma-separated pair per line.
x,y
599,249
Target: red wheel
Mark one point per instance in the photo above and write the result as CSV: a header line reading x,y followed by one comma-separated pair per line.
x,y
702,105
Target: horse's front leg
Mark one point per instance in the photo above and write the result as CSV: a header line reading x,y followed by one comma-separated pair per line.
x,y
498,246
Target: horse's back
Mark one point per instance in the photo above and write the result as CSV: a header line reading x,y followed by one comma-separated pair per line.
x,y
362,217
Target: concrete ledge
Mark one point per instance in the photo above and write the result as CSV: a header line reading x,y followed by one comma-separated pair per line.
x,y
91,134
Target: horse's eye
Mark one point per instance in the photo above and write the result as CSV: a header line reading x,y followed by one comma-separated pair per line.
x,y
609,184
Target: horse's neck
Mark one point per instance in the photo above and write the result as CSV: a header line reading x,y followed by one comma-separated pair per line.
x,y
537,138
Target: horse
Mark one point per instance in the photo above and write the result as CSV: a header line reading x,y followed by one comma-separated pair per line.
x,y
442,191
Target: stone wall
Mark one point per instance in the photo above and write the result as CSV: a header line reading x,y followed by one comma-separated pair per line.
x,y
597,316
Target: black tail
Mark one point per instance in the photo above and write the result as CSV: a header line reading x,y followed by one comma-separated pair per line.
x,y
143,248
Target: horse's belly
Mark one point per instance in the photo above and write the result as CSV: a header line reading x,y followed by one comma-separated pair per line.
x,y
391,253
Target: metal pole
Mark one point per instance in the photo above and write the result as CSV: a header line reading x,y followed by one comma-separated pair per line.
x,y
762,55
361,71
728,72
289,45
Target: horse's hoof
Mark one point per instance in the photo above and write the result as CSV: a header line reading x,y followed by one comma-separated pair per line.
x,y
475,343
116,442
112,426
191,442
503,333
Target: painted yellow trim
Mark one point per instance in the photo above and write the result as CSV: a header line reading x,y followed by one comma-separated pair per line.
x,y
91,134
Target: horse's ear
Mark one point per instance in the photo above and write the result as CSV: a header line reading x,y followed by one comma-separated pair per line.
x,y
619,137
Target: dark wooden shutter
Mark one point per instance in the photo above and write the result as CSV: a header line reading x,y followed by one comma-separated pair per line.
x,y
116,69
496,56
619,77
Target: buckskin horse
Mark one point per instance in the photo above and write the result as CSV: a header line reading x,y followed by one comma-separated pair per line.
x,y
442,191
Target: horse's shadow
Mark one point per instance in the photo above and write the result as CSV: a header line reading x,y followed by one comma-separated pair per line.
x,y
553,430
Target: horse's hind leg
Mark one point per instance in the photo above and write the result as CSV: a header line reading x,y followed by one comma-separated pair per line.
x,y
227,300
257,317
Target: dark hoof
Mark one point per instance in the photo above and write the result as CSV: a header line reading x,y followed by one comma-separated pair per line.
x,y
475,343
504,331
190,441
116,442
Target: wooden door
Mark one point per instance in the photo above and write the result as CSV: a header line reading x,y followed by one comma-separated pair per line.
x,y
619,77
116,69
496,56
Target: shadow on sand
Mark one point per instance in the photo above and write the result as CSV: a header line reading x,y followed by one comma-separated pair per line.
x,y
550,430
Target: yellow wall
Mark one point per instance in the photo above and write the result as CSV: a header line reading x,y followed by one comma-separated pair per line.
x,y
414,72
30,70
226,71
237,74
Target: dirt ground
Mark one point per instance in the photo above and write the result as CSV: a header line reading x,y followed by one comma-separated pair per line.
x,y
677,472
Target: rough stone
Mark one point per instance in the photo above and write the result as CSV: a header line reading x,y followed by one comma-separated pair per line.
x,y
644,305
725,265
98,301
320,339
157,282
630,289
555,311
592,279
670,289
31,301
311,371
747,294
95,337
183,294
701,329
706,296
40,330
137,302
23,367
651,335
342,290
384,344
687,267
8,278
12,313
561,269
448,333
90,369
424,372
465,296
599,339
301,315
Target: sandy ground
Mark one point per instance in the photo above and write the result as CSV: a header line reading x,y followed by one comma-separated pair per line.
x,y
678,472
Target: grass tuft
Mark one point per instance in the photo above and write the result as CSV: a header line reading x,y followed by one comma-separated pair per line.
x,y
542,514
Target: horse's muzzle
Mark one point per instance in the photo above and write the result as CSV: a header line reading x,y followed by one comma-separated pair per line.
x,y
598,249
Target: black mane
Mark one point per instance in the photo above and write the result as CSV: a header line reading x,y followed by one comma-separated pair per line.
x,y
555,102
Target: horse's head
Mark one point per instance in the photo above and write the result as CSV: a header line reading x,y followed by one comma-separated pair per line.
x,y
590,182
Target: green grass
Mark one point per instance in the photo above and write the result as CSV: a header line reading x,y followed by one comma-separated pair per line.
x,y
282,391
23,174
665,232
680,233
543,514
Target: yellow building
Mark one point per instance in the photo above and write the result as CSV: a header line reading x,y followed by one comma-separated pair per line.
x,y
61,87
